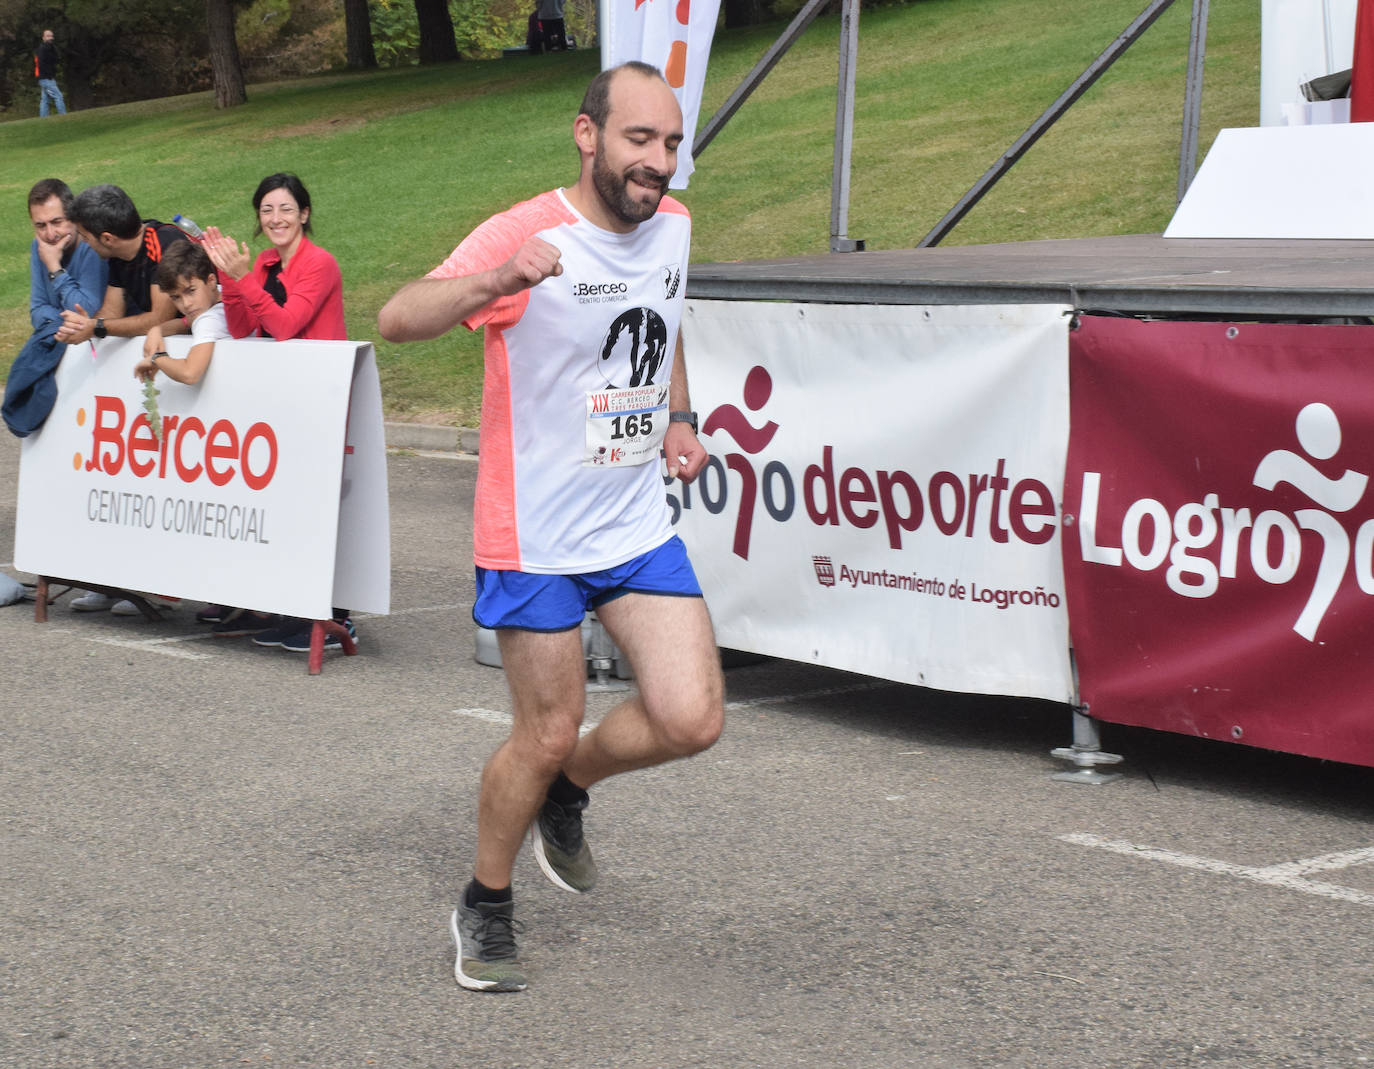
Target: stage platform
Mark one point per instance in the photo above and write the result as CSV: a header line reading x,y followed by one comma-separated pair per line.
x,y
1135,274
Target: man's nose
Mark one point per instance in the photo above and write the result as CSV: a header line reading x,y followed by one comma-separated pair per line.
x,y
660,158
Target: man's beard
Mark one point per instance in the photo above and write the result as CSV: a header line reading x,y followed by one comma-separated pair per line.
x,y
615,194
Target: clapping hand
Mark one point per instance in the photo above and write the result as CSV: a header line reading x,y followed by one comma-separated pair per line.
x,y
230,258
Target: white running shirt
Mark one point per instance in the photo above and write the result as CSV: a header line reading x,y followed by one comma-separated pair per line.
x,y
609,320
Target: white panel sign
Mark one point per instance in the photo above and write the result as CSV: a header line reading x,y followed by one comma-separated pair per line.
x,y
238,502
1282,182
1301,40
362,565
883,493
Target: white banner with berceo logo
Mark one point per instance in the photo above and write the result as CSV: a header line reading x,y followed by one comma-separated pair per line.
x,y
266,489
883,492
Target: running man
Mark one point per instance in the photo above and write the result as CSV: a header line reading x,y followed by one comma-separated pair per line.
x,y
580,292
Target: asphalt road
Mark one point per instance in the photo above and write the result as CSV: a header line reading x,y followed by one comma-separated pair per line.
x,y
212,859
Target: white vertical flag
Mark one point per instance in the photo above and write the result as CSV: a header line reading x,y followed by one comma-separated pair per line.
x,y
673,35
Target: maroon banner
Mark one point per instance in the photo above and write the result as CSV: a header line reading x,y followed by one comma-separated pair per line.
x,y
1362,74
1218,531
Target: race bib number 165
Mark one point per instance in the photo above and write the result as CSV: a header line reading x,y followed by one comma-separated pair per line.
x,y
625,426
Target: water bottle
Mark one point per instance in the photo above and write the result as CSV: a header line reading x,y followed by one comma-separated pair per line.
x,y
188,225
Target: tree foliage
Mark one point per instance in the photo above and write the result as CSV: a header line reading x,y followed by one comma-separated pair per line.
x,y
480,28
116,50
109,50
290,38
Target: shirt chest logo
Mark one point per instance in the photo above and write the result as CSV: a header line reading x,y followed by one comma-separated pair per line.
x,y
600,292
672,279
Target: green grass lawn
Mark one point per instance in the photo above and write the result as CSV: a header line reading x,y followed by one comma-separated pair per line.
x,y
401,164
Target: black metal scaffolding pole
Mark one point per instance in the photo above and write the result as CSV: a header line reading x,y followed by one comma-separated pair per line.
x,y
1037,129
1192,98
775,52
840,241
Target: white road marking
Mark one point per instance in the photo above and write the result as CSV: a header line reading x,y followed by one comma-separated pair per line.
x,y
411,611
495,716
1286,875
825,692
1343,860
165,644
198,636
491,716
148,646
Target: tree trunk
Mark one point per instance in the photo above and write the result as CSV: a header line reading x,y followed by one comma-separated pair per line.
x,y
224,54
740,13
436,31
358,30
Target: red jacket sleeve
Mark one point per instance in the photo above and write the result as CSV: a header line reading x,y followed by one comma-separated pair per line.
x,y
312,282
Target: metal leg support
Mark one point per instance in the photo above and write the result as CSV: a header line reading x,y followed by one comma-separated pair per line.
x,y
1085,753
318,630
601,659
42,598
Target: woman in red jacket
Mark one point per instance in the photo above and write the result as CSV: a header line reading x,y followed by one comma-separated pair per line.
x,y
294,290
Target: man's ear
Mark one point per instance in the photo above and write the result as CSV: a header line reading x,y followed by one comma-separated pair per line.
x,y
584,135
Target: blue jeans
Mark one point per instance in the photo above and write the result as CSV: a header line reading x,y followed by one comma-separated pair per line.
x,y
47,89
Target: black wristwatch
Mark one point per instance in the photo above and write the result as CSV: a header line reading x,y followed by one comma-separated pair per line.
x,y
100,330
52,275
684,417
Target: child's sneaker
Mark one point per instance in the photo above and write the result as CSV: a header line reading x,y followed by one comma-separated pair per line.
x,y
157,601
213,614
289,627
242,622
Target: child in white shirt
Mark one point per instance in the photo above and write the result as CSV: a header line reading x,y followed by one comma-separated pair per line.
x,y
187,276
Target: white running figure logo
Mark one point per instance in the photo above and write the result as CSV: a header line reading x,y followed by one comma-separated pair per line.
x,y
1319,434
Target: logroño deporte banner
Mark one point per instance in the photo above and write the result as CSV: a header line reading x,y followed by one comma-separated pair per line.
x,y
883,490
1219,532
266,488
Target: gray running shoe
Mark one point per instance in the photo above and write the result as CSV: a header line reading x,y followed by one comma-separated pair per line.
x,y
562,853
485,936
93,601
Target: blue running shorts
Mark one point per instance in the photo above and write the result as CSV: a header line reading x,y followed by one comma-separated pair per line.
x,y
533,602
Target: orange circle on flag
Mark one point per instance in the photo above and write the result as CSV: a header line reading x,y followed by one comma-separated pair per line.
x,y
81,417
76,462
676,69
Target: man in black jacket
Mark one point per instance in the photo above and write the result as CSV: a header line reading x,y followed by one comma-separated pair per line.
x,y
109,223
45,67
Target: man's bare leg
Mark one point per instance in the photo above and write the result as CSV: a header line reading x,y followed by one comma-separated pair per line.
x,y
547,675
679,708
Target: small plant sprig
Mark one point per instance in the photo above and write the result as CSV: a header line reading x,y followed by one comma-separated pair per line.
x,y
150,393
